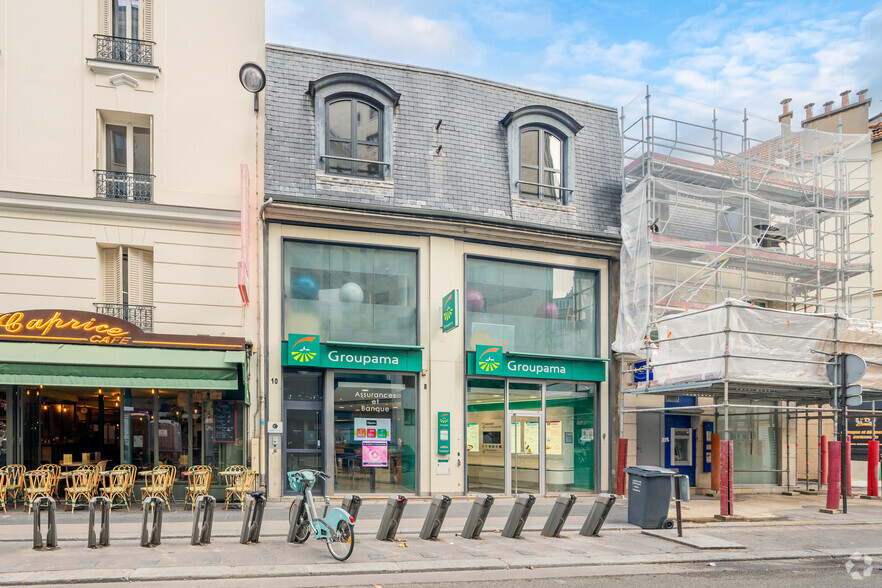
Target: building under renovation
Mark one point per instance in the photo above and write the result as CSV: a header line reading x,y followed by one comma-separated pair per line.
x,y
746,264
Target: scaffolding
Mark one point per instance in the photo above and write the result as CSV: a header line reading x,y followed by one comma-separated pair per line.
x,y
746,262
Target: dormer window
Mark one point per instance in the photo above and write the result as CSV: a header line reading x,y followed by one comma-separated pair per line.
x,y
541,147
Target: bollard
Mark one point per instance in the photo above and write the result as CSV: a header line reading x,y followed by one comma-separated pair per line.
x,y
620,466
203,507
847,484
475,521
559,513
252,517
872,469
823,460
435,518
351,504
103,538
153,536
715,461
391,517
834,449
519,513
51,528
597,516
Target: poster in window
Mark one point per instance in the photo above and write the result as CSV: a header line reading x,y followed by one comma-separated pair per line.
x,y
224,421
473,437
531,437
372,429
374,454
553,434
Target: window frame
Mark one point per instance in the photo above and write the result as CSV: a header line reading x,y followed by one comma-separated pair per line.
x,y
354,141
540,167
128,184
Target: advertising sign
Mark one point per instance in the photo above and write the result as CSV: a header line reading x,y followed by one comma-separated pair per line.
x,y
443,433
492,360
450,311
372,429
305,350
553,437
375,454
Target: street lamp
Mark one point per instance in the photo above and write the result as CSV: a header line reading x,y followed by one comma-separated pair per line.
x,y
253,79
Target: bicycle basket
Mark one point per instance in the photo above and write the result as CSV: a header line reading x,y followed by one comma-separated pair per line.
x,y
295,482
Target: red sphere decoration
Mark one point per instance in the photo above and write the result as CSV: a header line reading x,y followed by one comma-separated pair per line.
x,y
548,310
474,301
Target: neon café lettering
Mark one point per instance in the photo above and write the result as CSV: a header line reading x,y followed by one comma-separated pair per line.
x,y
12,324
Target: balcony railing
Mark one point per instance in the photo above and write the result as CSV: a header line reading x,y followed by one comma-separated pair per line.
x,y
123,186
125,50
138,314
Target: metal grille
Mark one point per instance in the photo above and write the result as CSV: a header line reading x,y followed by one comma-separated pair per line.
x,y
124,186
125,50
140,315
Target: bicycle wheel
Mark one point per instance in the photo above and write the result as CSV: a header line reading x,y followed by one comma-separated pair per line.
x,y
343,541
303,528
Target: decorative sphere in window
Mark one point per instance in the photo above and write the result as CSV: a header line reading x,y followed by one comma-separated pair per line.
x,y
304,287
474,301
351,292
548,310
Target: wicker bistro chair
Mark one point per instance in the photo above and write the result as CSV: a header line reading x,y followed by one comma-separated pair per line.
x,y
198,483
80,484
116,486
37,483
4,487
15,482
132,474
170,482
55,474
156,483
242,483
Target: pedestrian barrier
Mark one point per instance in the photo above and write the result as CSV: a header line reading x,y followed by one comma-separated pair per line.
x,y
203,517
352,504
559,513
391,517
51,528
518,516
252,517
477,515
435,518
151,533
103,536
597,516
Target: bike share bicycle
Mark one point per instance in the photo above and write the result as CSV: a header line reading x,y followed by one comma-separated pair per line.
x,y
335,527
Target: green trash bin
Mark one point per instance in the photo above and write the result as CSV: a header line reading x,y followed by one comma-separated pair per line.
x,y
649,496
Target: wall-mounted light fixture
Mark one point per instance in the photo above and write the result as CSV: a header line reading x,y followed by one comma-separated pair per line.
x,y
253,79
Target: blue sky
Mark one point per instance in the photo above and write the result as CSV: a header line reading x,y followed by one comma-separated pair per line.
x,y
732,55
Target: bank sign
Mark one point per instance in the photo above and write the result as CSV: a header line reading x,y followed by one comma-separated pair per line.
x,y
491,360
308,351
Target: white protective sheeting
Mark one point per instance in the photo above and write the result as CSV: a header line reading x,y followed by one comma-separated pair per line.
x,y
634,301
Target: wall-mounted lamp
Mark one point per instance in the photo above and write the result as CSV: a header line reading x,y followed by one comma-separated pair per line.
x,y
253,79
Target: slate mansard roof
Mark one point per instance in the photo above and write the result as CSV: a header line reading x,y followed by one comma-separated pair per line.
x,y
470,179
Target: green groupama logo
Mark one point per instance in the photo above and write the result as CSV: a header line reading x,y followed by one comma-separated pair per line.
x,y
488,361
304,349
448,308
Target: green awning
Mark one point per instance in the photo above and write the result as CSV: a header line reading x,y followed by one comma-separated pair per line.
x,y
122,367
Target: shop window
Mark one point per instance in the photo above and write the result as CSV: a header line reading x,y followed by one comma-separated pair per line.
x,y
375,433
531,308
541,147
353,117
350,293
128,285
569,432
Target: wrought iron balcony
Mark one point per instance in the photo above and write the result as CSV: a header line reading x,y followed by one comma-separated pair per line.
x,y
123,186
137,314
125,50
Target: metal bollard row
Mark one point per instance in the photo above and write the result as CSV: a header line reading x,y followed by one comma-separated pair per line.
x,y
602,505
102,539
477,515
519,513
252,517
51,528
203,517
558,516
151,526
391,517
435,518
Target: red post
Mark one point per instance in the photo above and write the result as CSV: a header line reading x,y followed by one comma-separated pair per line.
x,y
834,449
620,468
727,474
848,466
731,451
715,461
823,459
872,466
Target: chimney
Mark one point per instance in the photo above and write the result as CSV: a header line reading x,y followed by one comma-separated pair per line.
x,y
808,110
862,94
845,98
786,116
828,107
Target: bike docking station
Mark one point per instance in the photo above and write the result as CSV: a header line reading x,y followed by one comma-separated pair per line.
x,y
295,516
102,539
559,513
51,528
477,515
352,504
599,511
435,517
203,508
391,517
252,517
152,536
518,516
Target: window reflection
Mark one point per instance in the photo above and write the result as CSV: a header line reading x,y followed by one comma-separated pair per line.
x,y
541,157
354,130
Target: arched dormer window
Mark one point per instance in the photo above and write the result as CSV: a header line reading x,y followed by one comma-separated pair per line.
x,y
353,125
541,148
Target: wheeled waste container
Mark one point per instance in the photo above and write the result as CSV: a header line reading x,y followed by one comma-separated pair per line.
x,y
649,496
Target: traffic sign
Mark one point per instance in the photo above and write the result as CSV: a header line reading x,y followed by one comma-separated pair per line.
x,y
855,368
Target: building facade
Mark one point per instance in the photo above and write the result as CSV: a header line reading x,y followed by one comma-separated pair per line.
x,y
130,167
441,259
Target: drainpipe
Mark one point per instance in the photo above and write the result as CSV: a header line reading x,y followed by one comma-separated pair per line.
x,y
265,396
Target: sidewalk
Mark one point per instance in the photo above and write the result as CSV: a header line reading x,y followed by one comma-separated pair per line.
x,y
778,528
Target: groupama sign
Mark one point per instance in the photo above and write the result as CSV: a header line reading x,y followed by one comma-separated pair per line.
x,y
308,351
491,360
